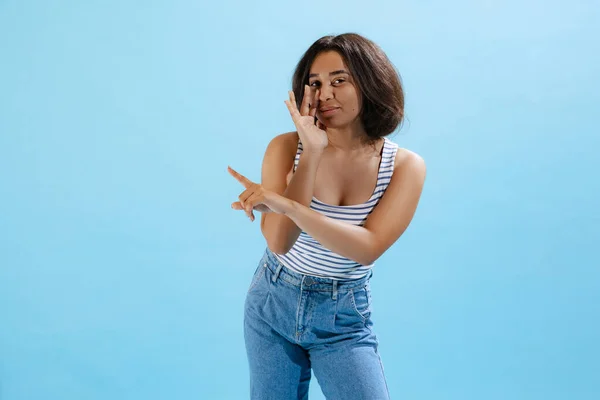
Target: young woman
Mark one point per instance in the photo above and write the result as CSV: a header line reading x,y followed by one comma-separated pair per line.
x,y
334,195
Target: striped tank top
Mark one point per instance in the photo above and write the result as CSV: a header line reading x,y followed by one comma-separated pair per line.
x,y
309,257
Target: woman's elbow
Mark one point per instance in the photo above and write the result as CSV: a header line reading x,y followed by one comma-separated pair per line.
x,y
275,243
278,248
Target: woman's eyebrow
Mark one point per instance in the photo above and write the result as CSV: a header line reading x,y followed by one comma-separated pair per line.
x,y
339,71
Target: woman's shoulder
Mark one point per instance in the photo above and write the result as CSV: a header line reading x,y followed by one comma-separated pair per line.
x,y
283,147
288,136
286,141
281,152
405,157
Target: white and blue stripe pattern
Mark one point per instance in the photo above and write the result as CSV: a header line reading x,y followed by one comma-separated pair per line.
x,y
309,257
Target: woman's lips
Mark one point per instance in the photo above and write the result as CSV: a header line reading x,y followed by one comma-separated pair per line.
x,y
331,111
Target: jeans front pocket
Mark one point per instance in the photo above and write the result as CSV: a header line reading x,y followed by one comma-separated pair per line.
x,y
361,301
258,274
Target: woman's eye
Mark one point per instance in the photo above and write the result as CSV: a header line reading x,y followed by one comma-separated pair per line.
x,y
340,80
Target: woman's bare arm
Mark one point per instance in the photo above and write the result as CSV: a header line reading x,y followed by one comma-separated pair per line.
x,y
279,230
389,219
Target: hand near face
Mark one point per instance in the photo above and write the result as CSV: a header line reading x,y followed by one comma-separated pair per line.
x,y
310,129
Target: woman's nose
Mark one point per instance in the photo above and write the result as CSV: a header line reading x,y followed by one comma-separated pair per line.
x,y
325,93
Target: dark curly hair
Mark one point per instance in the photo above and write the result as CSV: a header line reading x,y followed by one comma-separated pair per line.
x,y
378,81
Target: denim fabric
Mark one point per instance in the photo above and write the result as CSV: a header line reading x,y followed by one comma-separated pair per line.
x,y
294,323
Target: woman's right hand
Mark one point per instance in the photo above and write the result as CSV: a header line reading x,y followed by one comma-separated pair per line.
x,y
310,129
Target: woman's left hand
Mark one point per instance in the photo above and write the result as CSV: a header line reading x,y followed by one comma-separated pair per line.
x,y
255,197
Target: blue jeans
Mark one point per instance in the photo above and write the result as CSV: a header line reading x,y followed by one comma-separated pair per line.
x,y
294,322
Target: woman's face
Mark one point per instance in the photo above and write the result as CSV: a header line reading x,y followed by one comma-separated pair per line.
x,y
339,99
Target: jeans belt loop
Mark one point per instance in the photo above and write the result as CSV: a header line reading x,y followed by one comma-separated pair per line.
x,y
277,271
335,290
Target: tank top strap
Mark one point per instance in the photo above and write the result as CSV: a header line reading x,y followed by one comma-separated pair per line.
x,y
388,155
298,152
386,165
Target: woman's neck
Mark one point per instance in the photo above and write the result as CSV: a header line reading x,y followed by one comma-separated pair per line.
x,y
351,139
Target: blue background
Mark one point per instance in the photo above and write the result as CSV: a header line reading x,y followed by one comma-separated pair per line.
x,y
124,269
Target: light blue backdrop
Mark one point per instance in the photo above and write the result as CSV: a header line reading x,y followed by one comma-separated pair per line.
x,y
124,270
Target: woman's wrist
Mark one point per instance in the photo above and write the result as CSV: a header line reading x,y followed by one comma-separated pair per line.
x,y
290,207
313,154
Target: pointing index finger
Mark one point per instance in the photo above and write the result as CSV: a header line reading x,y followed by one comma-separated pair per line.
x,y
241,178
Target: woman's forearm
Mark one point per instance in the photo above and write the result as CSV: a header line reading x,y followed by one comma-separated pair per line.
x,y
350,241
279,230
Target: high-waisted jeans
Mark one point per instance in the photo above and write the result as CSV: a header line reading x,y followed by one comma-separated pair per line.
x,y
294,322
